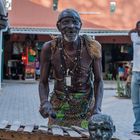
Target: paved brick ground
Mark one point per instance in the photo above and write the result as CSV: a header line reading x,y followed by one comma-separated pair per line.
x,y
121,113
20,101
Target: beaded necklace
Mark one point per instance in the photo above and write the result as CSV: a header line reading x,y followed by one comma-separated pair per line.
x,y
76,61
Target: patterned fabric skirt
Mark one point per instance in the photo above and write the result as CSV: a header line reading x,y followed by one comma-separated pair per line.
x,y
71,109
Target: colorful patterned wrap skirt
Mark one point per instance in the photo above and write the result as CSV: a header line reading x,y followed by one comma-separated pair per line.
x,y
71,109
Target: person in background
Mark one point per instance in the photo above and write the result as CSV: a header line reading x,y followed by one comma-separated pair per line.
x,y
135,82
37,68
121,71
77,94
128,80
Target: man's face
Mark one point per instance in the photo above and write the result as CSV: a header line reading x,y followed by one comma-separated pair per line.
x,y
100,131
69,28
138,27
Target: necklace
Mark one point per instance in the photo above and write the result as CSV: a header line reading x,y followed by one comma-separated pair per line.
x,y
73,61
70,67
68,56
76,62
64,55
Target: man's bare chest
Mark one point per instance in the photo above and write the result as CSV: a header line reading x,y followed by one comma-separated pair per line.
x,y
70,59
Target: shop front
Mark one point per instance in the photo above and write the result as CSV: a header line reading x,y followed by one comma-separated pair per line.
x,y
117,54
111,34
22,56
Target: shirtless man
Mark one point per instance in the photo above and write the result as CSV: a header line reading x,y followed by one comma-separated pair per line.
x,y
77,72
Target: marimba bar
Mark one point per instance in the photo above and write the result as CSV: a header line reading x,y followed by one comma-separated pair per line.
x,y
16,131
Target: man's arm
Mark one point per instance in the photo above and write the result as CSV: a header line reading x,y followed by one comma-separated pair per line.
x,y
45,66
98,84
132,31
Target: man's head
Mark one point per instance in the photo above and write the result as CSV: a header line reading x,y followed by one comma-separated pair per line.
x,y
101,127
69,24
138,26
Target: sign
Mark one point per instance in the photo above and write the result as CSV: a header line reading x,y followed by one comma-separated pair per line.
x,y
112,6
8,4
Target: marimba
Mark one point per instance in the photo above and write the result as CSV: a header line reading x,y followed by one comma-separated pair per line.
x,y
16,131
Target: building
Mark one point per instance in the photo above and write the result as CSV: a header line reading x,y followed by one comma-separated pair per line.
x,y
3,26
32,22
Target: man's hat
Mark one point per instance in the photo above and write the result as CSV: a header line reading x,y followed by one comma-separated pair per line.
x,y
69,13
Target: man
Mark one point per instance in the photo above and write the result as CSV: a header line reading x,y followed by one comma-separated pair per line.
x,y
74,60
135,82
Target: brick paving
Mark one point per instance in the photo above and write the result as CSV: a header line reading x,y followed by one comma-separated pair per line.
x,y
120,109
20,101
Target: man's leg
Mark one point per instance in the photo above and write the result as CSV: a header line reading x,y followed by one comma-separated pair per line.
x,y
135,95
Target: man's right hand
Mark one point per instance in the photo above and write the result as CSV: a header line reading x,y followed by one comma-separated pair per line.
x,y
46,110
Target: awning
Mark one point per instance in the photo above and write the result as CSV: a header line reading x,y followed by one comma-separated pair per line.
x,y
54,31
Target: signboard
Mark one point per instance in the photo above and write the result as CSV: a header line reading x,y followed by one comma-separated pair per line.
x,y
8,4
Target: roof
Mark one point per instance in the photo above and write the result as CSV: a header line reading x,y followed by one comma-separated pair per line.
x,y
122,19
39,16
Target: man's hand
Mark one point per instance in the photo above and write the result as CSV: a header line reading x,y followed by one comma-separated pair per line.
x,y
46,110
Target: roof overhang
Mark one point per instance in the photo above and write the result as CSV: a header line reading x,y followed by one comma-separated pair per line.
x,y
54,31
